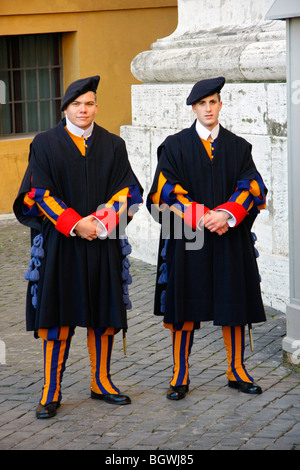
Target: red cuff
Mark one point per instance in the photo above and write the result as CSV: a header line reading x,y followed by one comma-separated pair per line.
x,y
67,220
108,217
194,213
237,210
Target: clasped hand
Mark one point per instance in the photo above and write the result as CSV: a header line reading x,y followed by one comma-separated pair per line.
x,y
216,221
88,228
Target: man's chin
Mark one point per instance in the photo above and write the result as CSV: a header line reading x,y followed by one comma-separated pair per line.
x,y
83,123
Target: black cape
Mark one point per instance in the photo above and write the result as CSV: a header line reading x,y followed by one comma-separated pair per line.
x,y
219,282
80,282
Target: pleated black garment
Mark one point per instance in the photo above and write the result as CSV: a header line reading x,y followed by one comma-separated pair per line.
x,y
219,282
80,282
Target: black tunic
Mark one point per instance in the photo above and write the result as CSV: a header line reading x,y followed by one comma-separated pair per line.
x,y
219,282
80,281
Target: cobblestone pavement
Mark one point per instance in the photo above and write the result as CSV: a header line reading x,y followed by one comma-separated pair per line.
x,y
211,417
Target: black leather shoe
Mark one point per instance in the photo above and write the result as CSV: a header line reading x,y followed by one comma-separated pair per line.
x,y
47,411
177,392
113,399
246,387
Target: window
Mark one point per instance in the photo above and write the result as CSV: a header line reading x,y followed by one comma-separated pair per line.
x,y
30,73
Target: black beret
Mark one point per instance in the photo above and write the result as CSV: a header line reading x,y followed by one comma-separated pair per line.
x,y
79,87
205,88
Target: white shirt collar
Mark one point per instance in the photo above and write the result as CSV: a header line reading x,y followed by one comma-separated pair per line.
x,y
204,133
78,131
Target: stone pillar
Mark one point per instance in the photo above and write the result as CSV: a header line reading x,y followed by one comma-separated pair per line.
x,y
233,39
290,11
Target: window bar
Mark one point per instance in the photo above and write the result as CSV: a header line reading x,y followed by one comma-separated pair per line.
x,y
12,91
37,85
50,85
25,93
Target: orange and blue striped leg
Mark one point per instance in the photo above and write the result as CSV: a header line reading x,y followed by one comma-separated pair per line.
x,y
182,342
234,340
56,346
100,347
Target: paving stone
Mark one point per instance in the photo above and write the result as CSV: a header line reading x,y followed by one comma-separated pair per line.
x,y
212,416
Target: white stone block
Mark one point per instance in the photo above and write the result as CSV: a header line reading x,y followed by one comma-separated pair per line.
x,y
274,272
221,15
250,108
161,106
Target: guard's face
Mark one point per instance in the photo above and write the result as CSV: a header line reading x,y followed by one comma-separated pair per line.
x,y
208,110
82,111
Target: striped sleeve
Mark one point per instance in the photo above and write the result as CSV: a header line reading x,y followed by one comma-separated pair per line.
x,y
124,202
42,202
249,197
178,200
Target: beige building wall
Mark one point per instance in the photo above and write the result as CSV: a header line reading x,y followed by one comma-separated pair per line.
x,y
98,37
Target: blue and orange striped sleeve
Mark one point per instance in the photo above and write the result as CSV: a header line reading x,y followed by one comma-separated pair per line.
x,y
124,202
39,202
178,200
249,197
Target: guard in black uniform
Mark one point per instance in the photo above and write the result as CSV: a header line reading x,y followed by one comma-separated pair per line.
x,y
207,178
77,195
